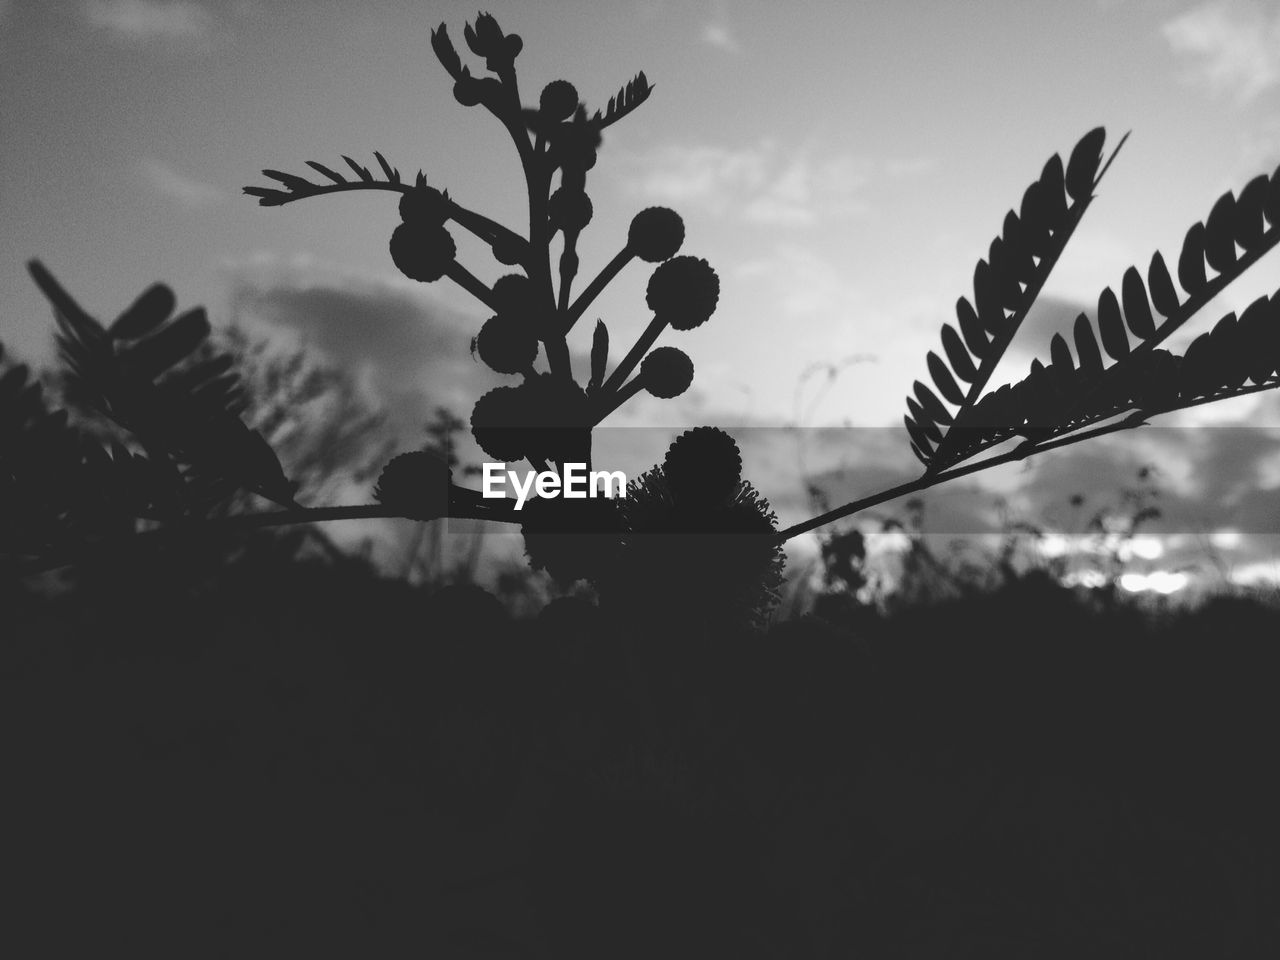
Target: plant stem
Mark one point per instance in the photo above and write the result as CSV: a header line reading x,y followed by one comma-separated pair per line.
x,y
636,354
611,270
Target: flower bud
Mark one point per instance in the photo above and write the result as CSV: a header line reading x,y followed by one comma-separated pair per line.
x,y
498,423
512,293
703,465
683,291
558,101
655,234
424,205
422,252
415,485
506,344
569,210
666,372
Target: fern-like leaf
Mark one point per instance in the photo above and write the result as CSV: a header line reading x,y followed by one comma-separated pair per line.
x,y
1005,285
626,100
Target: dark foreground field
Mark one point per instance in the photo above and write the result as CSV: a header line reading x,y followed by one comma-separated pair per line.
x,y
301,763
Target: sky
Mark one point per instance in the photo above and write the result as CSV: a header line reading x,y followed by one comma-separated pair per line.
x,y
841,164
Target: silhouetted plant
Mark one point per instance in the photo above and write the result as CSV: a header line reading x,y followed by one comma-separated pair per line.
x,y
195,449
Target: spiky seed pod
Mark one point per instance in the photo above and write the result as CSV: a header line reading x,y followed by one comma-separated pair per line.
x,y
666,372
498,423
683,291
415,485
571,539
569,210
422,252
512,293
717,563
506,344
424,205
656,234
558,101
703,465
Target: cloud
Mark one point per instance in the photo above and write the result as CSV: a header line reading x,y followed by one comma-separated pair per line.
x,y
141,21
177,186
1235,46
717,33
763,184
410,351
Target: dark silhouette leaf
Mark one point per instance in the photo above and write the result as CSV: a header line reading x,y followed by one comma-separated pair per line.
x,y
1191,262
1060,353
1163,293
942,377
325,171
1082,168
362,172
1111,325
1219,234
975,338
986,299
1137,310
151,309
925,423
918,438
957,355
1257,335
929,401
1271,206
1249,226
627,99
1052,180
292,181
599,353
388,171
162,350
1087,351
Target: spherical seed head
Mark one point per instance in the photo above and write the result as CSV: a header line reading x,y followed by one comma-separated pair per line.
x,y
498,422
512,293
415,485
558,101
424,205
569,210
666,372
655,234
703,465
506,344
422,252
683,291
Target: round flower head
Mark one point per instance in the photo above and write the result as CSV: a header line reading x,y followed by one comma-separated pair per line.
x,y
703,465
498,423
655,234
683,292
416,485
569,210
512,293
718,563
558,101
666,372
506,344
422,251
424,205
